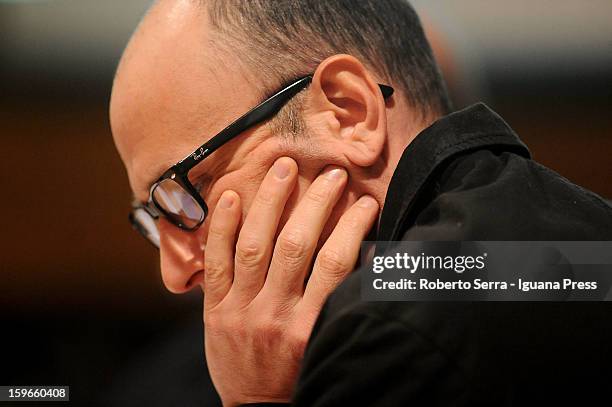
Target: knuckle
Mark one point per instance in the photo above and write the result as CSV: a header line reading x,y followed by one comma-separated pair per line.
x,y
239,330
293,245
249,252
266,197
219,322
318,196
214,269
270,328
332,263
297,338
353,221
266,330
213,321
216,232
298,341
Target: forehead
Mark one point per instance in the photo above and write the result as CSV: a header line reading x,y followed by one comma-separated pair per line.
x,y
172,92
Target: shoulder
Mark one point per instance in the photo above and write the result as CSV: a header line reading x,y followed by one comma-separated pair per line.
x,y
489,195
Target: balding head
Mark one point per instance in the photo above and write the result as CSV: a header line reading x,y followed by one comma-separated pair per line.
x,y
172,91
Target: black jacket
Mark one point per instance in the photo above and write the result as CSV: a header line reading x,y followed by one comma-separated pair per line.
x,y
467,177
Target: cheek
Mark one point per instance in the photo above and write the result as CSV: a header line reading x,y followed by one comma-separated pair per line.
x,y
244,183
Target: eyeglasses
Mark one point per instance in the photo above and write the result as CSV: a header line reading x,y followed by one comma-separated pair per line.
x,y
174,197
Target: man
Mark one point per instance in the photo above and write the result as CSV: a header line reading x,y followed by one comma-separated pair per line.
x,y
268,215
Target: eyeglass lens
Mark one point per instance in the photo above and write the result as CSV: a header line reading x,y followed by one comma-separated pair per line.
x,y
145,224
179,206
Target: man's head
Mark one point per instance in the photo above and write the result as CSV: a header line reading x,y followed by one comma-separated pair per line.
x,y
192,67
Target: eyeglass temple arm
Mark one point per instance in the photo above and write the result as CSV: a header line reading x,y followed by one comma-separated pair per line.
x,y
258,114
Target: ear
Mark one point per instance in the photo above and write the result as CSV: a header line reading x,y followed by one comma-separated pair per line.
x,y
352,107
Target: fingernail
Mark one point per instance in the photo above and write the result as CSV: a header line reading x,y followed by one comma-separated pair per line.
x,y
281,169
227,200
335,174
366,201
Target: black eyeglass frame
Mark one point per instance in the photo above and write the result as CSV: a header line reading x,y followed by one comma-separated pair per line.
x,y
179,171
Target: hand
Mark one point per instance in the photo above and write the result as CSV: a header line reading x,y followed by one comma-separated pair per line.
x,y
258,311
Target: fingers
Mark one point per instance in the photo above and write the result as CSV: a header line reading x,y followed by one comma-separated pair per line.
x,y
219,256
298,239
338,256
255,244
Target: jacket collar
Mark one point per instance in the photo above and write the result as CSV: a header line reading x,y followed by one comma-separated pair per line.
x,y
472,128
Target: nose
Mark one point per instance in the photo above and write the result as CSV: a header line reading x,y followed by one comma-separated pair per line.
x,y
181,257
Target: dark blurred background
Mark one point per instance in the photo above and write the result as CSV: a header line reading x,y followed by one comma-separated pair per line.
x,y
81,299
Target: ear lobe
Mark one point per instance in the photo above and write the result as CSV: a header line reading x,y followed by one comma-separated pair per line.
x,y
353,107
